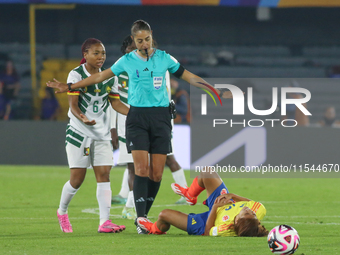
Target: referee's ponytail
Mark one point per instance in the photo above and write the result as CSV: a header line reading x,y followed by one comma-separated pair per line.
x,y
140,25
86,45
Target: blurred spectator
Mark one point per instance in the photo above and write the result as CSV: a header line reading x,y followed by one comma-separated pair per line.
x,y
329,118
293,112
50,108
182,101
208,58
3,60
334,72
225,58
10,86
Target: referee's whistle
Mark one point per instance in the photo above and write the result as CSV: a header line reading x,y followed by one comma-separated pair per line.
x,y
147,55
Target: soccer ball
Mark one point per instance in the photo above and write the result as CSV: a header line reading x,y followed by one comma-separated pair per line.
x,y
283,239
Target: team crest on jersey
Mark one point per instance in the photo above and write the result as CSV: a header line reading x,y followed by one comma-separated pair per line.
x,y
97,90
224,191
225,218
108,90
87,151
123,84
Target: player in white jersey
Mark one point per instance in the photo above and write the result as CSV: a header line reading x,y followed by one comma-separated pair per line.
x,y
125,195
88,135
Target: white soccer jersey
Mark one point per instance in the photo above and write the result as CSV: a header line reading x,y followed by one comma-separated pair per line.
x,y
168,88
94,103
123,86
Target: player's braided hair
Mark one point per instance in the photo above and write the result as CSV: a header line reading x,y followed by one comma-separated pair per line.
x,y
250,227
127,42
86,45
139,25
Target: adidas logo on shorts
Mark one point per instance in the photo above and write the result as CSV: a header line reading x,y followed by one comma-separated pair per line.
x,y
146,69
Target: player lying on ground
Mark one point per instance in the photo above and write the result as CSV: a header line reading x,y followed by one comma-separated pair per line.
x,y
228,215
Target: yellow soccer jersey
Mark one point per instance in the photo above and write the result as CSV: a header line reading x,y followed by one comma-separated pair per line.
x,y
226,215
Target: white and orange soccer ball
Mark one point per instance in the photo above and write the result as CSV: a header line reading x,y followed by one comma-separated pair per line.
x,y
283,239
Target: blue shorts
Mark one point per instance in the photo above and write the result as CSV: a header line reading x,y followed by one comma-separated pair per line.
x,y
196,222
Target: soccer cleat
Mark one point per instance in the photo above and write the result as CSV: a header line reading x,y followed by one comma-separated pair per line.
x,y
181,201
145,224
64,223
183,191
129,213
140,230
118,200
109,227
148,226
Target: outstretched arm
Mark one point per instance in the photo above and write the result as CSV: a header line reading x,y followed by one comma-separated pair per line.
x,y
93,79
196,81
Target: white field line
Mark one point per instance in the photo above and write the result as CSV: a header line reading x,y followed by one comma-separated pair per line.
x,y
121,206
119,217
95,211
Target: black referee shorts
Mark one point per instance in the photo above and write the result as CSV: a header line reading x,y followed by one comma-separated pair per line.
x,y
149,129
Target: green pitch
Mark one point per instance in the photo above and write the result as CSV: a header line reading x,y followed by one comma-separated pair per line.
x,y
29,197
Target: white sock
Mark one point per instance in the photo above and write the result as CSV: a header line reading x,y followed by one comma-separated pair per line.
x,y
130,202
124,190
104,200
66,196
179,177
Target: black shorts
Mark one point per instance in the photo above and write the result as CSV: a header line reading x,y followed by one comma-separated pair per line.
x,y
149,129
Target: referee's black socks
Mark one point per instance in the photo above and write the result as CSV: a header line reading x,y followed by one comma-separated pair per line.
x,y
140,193
153,188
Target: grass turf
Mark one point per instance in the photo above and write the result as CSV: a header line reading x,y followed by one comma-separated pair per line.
x,y
30,196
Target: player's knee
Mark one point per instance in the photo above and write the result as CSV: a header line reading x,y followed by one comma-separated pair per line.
x,y
169,161
207,172
142,170
172,163
164,215
76,183
156,177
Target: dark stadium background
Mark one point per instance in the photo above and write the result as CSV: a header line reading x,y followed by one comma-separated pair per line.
x,y
292,43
